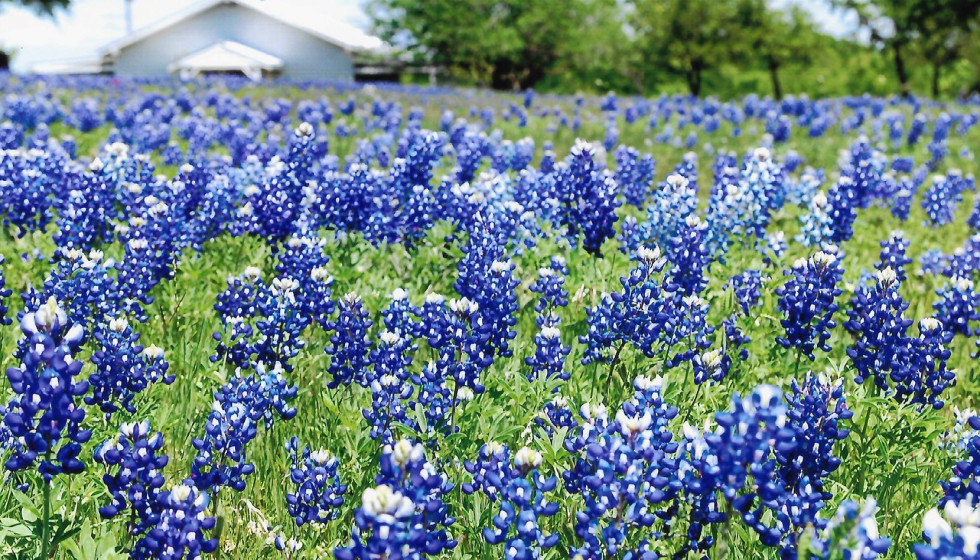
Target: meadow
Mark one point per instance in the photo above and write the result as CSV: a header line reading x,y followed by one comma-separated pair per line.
x,y
321,320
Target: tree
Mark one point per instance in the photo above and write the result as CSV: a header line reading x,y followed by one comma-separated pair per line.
x,y
780,38
45,7
508,44
687,36
889,24
947,29
897,25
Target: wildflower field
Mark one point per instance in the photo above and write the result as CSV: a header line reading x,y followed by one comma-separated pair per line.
x,y
310,321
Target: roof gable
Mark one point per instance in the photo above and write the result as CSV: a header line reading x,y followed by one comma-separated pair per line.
x,y
353,41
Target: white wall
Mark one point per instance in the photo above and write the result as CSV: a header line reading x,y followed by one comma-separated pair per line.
x,y
305,56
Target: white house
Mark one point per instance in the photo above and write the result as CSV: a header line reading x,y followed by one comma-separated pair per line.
x,y
242,37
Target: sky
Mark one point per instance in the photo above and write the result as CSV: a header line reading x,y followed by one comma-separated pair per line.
x,y
78,33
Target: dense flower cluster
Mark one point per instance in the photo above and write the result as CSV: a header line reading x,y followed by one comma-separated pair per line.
x,y
953,534
626,473
807,301
318,489
44,418
181,533
138,482
353,184
548,360
405,515
238,408
124,367
520,487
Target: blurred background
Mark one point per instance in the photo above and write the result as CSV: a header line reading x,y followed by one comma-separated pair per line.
x,y
723,48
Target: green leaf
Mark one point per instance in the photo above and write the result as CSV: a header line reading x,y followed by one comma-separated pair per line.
x,y
26,503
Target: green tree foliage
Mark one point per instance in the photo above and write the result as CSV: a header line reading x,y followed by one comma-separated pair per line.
x,y
936,27
718,47
779,39
687,37
508,44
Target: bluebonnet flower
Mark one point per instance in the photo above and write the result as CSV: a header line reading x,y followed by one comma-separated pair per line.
x,y
940,201
280,323
637,316
957,306
926,376
385,526
670,205
319,492
180,532
842,208
400,317
549,358
405,469
958,438
232,424
816,413
454,330
893,255
775,247
765,461
486,277
84,285
302,259
964,485
124,368
816,226
434,395
876,317
4,294
851,533
747,289
390,523
556,415
138,480
952,535
807,301
390,389
44,418
973,221
634,175
917,128
688,168
713,364
902,200
801,191
520,487
688,256
626,474
587,195
349,346
742,208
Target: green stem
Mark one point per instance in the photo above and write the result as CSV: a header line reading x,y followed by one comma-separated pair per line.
x,y
219,523
46,521
612,367
693,402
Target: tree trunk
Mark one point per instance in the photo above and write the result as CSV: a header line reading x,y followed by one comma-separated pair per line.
x,y
694,79
936,70
777,88
900,71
